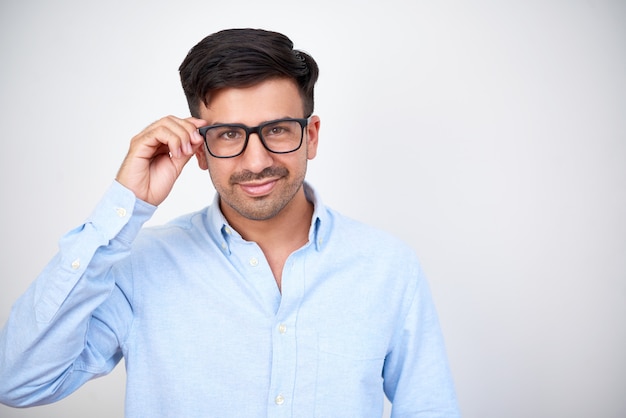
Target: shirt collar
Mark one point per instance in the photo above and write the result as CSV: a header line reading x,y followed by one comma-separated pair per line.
x,y
223,233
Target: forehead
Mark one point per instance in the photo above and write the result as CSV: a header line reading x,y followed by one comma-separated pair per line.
x,y
268,100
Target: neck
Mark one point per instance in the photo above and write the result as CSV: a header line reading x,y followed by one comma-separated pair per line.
x,y
279,236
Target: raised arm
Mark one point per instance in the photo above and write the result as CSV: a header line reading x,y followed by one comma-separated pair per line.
x,y
70,324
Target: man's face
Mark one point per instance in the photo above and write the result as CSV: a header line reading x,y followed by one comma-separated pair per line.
x,y
258,184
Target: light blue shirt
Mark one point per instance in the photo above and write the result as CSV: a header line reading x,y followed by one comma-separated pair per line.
x,y
196,313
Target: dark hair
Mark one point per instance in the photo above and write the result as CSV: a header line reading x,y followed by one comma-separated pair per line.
x,y
242,58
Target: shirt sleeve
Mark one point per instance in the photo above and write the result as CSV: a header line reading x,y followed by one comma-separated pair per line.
x,y
67,327
417,378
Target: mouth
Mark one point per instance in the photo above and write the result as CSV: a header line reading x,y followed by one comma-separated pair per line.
x,y
259,189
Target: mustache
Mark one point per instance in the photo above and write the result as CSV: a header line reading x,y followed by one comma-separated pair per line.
x,y
269,172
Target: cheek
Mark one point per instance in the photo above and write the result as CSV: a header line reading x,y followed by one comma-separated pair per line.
x,y
218,171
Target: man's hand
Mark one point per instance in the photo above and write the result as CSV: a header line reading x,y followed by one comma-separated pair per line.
x,y
157,156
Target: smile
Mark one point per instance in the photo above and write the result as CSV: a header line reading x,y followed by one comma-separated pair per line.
x,y
258,189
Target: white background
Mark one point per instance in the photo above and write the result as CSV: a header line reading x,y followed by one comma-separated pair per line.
x,y
491,136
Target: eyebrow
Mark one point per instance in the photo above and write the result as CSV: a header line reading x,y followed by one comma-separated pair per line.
x,y
240,123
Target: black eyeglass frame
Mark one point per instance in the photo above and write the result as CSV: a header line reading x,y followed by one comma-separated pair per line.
x,y
303,122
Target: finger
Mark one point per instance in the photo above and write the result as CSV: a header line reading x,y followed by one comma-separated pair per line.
x,y
186,137
192,125
172,132
154,140
196,139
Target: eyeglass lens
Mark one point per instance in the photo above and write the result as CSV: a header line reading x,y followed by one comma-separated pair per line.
x,y
279,137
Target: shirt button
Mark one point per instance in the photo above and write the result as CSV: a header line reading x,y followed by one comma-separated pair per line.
x,y
282,328
254,262
279,400
76,264
121,212
227,230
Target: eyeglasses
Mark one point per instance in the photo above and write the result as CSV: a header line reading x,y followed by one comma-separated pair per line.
x,y
280,136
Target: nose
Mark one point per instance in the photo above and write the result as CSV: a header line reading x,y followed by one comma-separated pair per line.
x,y
256,157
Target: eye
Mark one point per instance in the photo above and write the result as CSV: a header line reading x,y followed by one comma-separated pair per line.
x,y
229,133
279,129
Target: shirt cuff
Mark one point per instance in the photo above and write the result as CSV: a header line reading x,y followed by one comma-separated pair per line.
x,y
120,214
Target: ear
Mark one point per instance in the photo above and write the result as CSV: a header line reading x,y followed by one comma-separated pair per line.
x,y
202,158
312,129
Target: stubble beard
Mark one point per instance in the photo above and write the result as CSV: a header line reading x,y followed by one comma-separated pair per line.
x,y
264,207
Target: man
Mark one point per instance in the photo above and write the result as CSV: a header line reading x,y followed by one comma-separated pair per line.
x,y
266,303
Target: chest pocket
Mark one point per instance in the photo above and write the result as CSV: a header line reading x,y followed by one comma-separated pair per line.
x,y
348,371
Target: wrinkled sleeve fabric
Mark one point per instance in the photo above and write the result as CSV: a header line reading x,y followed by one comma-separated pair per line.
x,y
417,378
69,326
